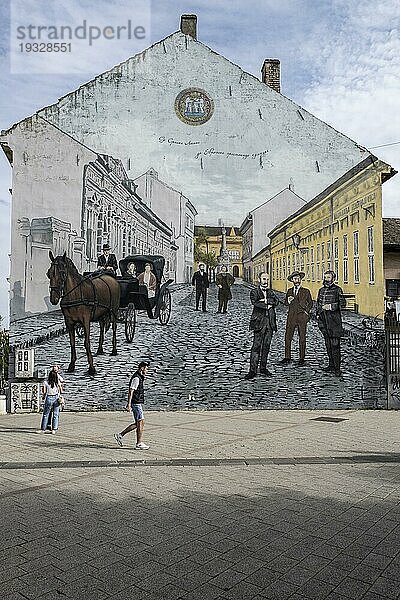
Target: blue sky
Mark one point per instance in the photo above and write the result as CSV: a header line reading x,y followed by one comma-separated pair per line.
x,y
340,59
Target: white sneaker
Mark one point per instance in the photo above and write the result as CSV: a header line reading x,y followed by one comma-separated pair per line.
x,y
141,446
118,439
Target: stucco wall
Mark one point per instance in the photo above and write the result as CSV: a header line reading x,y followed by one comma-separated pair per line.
x,y
46,182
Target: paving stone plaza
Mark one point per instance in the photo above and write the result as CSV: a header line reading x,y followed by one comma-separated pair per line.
x,y
224,505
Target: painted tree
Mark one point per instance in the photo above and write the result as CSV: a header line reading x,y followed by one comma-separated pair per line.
x,y
200,241
202,253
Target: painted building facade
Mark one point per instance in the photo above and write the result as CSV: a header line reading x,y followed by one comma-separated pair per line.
x,y
340,229
261,263
206,126
213,244
260,221
177,212
68,198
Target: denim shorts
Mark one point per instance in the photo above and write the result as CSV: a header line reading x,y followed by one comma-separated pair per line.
x,y
137,412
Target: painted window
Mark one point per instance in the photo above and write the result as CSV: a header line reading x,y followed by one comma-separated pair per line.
x,y
371,259
345,259
356,257
312,265
336,256
328,255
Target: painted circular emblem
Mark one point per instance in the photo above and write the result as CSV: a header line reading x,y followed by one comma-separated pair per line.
x,y
194,106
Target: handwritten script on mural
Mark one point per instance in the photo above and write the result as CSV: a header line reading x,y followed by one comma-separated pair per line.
x,y
213,151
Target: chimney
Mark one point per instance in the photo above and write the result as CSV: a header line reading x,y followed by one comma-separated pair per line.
x,y
189,25
271,73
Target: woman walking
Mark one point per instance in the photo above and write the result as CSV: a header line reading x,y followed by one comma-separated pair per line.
x,y
51,397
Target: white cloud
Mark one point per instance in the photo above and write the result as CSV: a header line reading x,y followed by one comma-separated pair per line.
x,y
93,34
357,83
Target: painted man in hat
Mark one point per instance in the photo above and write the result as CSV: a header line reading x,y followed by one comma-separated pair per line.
x,y
201,283
299,301
224,281
107,261
330,301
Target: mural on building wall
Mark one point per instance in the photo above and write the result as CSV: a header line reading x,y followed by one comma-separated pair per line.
x,y
194,106
239,239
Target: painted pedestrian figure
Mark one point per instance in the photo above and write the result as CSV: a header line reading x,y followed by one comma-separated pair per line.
x,y
201,284
224,281
330,301
300,303
263,324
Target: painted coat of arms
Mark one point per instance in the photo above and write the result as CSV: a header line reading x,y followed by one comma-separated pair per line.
x,y
194,106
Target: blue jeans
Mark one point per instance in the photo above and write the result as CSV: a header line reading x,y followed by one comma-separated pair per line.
x,y
51,402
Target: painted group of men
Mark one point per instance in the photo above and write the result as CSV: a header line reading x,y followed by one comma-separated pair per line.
x,y
201,283
330,301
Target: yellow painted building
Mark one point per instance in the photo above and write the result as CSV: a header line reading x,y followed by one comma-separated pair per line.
x,y
214,243
261,263
340,229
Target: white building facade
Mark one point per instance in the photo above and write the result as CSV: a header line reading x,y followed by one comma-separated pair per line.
x,y
177,212
261,220
67,198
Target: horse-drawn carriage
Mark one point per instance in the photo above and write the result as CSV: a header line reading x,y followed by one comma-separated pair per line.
x,y
136,296
103,298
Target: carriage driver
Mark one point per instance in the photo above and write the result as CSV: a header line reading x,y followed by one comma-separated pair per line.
x,y
107,261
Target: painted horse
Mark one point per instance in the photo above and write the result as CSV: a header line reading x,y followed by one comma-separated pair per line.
x,y
84,299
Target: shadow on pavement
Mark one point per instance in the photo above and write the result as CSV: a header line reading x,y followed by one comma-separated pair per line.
x,y
153,537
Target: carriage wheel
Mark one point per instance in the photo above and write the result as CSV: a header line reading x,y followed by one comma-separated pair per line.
x,y
165,307
130,322
79,330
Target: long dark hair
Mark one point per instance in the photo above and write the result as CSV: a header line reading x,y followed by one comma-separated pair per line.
x,y
52,378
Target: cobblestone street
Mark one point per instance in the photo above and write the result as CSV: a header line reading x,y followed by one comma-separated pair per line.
x,y
199,360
